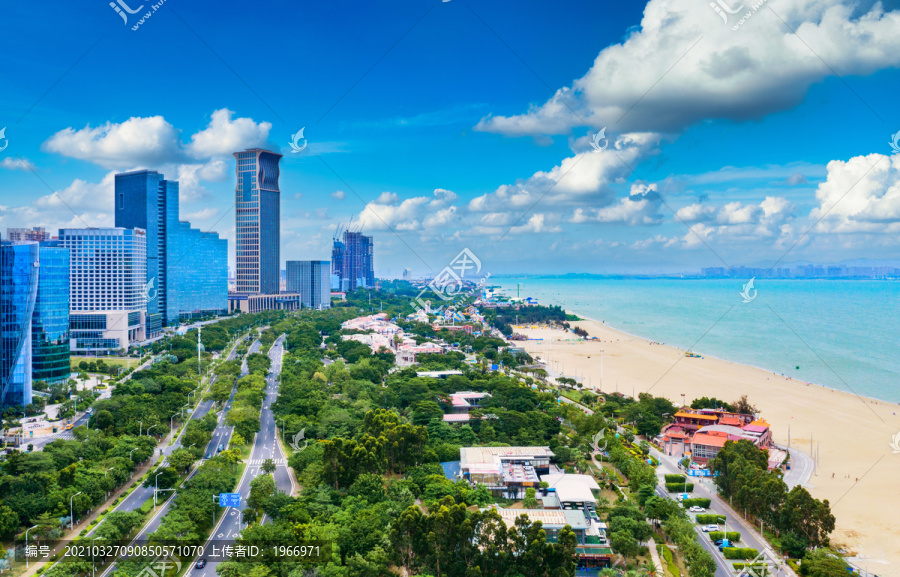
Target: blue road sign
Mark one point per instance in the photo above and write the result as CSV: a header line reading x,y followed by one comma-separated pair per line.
x,y
229,499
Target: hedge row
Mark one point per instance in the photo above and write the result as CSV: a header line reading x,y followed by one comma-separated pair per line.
x,y
699,502
707,518
740,553
732,536
674,478
679,487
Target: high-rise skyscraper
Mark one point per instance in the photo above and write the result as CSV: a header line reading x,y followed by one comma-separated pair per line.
x,y
145,200
19,269
312,279
108,287
352,262
187,269
257,221
50,322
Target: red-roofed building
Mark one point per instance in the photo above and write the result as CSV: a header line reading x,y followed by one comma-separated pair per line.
x,y
705,446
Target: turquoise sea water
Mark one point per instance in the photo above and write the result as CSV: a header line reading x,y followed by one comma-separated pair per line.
x,y
842,334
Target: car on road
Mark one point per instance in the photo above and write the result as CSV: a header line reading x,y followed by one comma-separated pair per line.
x,y
708,528
221,448
696,509
209,455
201,563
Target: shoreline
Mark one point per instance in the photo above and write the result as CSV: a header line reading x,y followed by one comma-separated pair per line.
x,y
724,360
848,435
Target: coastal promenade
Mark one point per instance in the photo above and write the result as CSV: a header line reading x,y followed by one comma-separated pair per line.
x,y
850,435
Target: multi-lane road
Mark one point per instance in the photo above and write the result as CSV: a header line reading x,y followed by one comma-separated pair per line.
x,y
265,446
140,494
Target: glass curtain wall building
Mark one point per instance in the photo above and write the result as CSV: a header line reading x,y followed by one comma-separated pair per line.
x,y
197,273
257,222
50,323
146,200
108,287
312,280
19,270
190,267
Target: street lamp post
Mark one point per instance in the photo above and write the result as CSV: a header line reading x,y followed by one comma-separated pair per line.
x,y
104,474
156,486
72,510
132,451
140,428
172,423
148,429
182,410
26,543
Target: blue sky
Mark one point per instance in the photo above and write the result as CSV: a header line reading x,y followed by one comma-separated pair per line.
x,y
448,125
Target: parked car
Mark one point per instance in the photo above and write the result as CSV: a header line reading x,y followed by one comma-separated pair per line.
x,y
711,528
696,509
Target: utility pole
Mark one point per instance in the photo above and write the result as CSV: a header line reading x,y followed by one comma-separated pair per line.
x,y
199,328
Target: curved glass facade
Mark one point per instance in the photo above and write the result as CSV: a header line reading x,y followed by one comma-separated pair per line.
x,y
18,292
50,323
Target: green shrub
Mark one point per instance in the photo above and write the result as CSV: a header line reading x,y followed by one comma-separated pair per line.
x,y
39,571
699,502
679,487
146,507
674,478
708,519
740,553
732,536
82,533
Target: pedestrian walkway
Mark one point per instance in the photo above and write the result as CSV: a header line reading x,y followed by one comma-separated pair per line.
x,y
657,562
278,462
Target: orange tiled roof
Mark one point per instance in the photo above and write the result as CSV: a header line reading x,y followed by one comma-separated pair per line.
x,y
695,416
709,440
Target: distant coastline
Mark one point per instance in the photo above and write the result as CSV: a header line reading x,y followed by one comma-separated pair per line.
x,y
835,335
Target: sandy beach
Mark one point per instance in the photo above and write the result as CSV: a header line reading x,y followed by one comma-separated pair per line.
x,y
851,435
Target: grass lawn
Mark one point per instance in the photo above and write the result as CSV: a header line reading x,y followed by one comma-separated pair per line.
x,y
126,362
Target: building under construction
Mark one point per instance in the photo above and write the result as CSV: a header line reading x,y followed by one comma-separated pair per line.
x,y
352,261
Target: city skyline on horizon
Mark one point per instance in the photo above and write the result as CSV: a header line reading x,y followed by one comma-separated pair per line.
x,y
677,164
